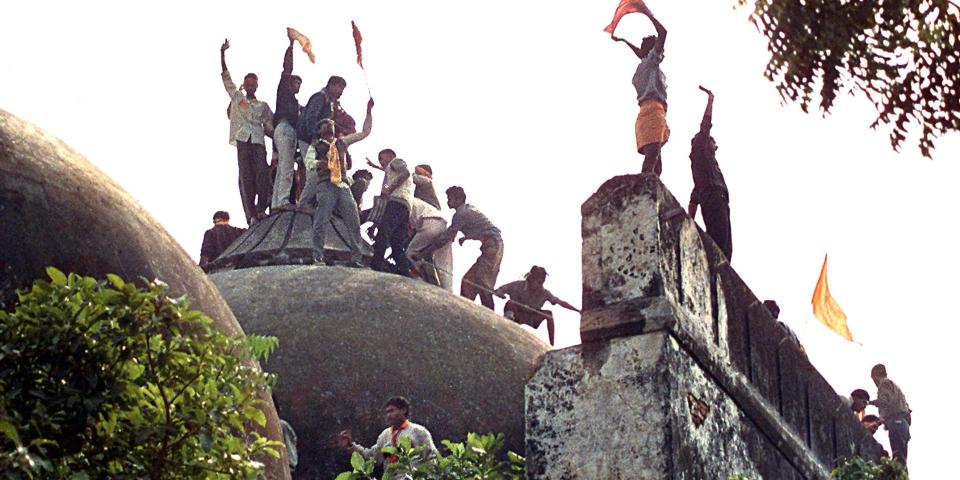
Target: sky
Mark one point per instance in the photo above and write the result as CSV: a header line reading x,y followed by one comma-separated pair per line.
x,y
529,107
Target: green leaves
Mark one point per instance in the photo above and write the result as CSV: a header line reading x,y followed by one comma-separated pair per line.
x,y
129,382
903,56
857,468
476,459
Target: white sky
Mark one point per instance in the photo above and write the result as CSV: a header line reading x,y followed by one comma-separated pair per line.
x,y
528,106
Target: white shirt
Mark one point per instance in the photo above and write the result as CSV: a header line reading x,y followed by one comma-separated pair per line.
x,y
403,192
249,118
420,210
418,435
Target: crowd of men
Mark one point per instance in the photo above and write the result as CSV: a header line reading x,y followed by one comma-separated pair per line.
x,y
311,162
309,172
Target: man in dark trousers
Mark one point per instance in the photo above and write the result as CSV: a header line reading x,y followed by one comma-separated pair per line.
x,y
250,120
218,238
651,126
392,227
709,188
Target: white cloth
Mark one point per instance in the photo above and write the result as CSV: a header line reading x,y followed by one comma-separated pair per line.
x,y
420,210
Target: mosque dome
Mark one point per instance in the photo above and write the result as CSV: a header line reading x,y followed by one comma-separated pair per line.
x,y
57,209
352,338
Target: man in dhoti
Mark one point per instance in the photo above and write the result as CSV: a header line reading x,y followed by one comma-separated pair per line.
x,y
651,126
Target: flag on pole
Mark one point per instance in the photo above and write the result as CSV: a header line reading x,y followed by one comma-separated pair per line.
x,y
357,39
825,308
625,7
303,41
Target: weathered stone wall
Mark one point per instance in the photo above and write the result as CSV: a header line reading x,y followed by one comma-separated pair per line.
x,y
683,373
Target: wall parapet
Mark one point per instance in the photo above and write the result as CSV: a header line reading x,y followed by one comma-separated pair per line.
x,y
649,270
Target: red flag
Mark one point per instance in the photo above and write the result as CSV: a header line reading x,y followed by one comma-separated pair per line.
x,y
357,39
625,7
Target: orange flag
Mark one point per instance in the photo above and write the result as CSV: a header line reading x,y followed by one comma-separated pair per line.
x,y
357,39
825,308
625,7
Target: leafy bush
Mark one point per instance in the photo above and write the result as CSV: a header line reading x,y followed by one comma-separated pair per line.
x,y
857,468
476,459
108,380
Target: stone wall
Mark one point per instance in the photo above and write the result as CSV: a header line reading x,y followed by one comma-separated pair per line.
x,y
682,373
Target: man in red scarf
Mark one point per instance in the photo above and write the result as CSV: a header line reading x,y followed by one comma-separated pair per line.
x,y
396,412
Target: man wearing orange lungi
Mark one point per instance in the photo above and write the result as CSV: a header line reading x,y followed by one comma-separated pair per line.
x,y
651,127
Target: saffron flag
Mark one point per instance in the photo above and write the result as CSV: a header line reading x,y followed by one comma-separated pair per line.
x,y
357,39
625,7
825,308
303,41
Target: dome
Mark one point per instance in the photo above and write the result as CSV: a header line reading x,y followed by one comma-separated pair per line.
x,y
57,209
352,338
285,238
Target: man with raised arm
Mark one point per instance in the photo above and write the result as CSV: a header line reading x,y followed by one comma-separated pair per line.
x,y
285,137
651,126
250,120
327,159
709,188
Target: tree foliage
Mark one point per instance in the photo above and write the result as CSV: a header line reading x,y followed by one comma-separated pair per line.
x,y
903,55
109,380
857,468
476,459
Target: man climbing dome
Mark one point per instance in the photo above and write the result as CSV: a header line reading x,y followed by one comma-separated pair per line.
x,y
527,297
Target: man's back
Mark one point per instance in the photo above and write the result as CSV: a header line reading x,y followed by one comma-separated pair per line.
x,y
216,240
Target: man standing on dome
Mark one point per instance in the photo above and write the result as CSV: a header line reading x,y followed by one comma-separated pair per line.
x,y
397,415
481,278
527,297
250,120
651,126
327,159
393,224
285,137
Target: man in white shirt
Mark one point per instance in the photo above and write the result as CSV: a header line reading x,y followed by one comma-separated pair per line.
x,y
427,224
393,224
250,120
396,412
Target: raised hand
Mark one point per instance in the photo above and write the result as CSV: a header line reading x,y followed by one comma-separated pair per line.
x,y
225,46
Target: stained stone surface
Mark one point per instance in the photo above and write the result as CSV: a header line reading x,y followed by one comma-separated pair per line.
x,y
352,338
57,209
285,238
681,364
